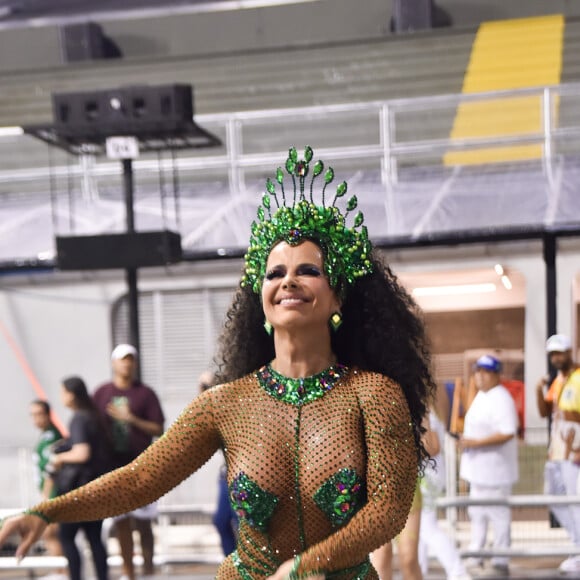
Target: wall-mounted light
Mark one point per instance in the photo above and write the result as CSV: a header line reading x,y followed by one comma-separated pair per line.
x,y
502,273
506,282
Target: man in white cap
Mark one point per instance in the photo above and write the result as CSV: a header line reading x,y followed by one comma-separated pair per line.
x,y
134,417
560,401
489,461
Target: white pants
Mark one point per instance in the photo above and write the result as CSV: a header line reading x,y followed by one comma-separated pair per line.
x,y
570,472
499,516
557,480
433,538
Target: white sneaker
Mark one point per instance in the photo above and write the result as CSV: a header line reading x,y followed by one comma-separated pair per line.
x,y
571,564
473,564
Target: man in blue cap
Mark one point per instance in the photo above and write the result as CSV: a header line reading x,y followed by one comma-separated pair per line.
x,y
489,461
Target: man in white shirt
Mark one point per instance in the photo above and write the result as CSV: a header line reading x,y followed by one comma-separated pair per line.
x,y
489,460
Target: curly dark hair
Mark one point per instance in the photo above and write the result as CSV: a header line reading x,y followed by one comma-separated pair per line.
x,y
382,331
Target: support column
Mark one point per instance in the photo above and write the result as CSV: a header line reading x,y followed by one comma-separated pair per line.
x,y
131,273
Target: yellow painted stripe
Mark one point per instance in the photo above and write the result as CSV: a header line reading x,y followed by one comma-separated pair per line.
x,y
508,54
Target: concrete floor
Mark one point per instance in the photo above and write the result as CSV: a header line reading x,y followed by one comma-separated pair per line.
x,y
520,569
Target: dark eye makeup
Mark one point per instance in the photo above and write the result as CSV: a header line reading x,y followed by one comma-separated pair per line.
x,y
308,270
275,272
301,270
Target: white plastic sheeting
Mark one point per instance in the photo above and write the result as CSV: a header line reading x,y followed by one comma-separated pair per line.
x,y
397,173
464,201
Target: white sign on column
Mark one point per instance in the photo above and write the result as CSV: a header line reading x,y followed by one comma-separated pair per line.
x,y
122,147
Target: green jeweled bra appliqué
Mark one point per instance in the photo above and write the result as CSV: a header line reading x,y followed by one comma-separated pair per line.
x,y
251,502
341,496
299,391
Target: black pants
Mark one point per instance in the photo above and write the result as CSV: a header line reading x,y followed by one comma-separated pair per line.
x,y
92,530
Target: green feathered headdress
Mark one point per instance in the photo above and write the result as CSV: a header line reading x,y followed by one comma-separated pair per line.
x,y
346,249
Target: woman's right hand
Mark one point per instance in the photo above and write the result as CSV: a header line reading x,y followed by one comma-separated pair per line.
x,y
28,527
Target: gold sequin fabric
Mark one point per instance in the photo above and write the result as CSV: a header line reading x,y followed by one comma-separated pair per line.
x,y
361,427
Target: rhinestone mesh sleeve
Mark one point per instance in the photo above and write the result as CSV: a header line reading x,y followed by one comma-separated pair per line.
x,y
361,426
183,448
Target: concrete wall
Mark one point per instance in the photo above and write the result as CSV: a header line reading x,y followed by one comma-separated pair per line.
x,y
30,48
208,33
450,332
52,331
273,28
253,29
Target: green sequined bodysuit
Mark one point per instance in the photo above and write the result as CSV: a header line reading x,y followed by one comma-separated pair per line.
x,y
323,467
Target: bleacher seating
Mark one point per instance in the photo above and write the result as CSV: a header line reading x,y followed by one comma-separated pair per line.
x,y
426,64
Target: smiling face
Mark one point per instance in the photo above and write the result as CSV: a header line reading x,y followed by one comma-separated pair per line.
x,y
296,292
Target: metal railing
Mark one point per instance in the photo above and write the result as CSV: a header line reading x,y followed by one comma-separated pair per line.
x,y
389,132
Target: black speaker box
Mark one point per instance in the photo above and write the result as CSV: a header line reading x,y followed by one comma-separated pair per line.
x,y
409,15
130,250
82,41
137,110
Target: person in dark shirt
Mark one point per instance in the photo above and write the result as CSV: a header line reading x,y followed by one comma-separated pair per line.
x,y
134,417
83,459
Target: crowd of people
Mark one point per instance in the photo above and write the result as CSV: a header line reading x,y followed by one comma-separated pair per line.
x,y
107,430
326,412
488,451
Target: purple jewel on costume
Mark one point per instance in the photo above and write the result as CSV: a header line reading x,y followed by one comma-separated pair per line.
x,y
341,496
250,502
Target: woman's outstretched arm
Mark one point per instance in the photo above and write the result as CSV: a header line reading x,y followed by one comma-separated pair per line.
x,y
191,440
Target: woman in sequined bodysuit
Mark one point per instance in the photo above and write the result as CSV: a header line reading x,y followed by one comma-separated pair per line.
x,y
320,428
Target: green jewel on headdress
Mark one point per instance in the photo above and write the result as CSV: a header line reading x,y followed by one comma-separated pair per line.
x,y
347,250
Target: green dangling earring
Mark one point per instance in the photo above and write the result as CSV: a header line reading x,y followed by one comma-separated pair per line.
x,y
335,321
268,327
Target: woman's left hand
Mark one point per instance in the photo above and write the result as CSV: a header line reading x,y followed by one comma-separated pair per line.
x,y
284,571
28,527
